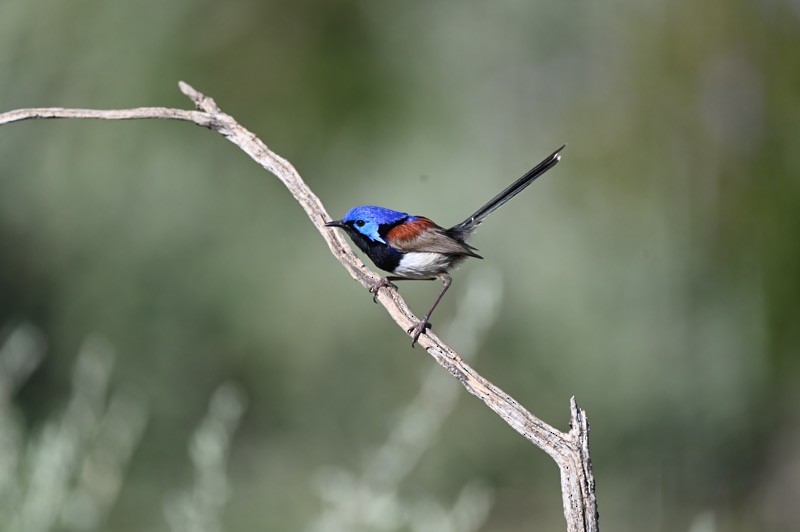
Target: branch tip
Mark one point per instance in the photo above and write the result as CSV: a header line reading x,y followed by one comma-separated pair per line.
x,y
187,89
577,419
200,100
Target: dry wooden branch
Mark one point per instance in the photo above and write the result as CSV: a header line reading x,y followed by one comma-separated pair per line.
x,y
570,450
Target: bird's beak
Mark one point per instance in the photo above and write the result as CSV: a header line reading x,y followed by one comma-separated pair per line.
x,y
335,223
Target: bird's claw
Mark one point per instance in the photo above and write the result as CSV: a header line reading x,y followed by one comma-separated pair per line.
x,y
417,330
382,282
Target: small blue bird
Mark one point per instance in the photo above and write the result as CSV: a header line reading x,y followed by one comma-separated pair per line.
x,y
415,248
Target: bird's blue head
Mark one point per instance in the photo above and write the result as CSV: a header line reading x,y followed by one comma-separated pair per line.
x,y
367,219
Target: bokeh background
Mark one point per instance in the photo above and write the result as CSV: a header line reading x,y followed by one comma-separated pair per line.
x,y
181,352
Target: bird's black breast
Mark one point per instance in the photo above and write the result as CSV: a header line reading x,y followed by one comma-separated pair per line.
x,y
384,256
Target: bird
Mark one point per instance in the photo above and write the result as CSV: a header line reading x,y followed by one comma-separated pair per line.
x,y
412,247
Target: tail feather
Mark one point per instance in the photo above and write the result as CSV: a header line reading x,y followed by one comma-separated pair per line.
x,y
466,227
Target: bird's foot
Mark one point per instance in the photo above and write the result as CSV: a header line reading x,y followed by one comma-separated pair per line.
x,y
417,330
382,282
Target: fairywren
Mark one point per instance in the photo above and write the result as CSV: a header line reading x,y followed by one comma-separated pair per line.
x,y
415,248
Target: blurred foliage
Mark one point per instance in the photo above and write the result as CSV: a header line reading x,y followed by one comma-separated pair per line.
x,y
655,271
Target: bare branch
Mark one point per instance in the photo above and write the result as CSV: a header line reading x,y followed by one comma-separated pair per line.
x,y
569,450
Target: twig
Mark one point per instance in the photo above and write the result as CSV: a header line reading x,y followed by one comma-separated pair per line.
x,y
569,450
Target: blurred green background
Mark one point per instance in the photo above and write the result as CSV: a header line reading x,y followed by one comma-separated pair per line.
x,y
654,274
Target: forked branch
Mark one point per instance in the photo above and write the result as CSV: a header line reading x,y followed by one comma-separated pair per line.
x,y
570,450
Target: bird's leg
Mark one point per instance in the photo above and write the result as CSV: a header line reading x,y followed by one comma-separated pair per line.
x,y
383,281
420,327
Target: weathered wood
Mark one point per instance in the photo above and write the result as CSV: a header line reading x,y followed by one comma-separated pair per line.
x,y
570,450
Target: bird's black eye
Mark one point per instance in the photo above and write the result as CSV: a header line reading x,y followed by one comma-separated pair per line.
x,y
359,223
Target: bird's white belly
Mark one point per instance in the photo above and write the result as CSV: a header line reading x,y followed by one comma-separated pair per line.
x,y
423,265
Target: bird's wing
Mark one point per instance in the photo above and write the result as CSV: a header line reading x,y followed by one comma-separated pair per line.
x,y
424,236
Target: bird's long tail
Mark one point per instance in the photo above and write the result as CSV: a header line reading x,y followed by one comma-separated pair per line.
x,y
466,227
